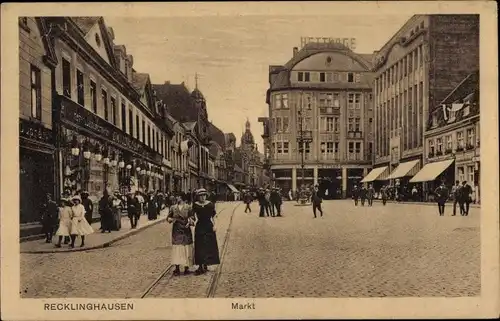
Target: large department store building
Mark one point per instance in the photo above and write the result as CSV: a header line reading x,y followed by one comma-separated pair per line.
x,y
320,102
414,72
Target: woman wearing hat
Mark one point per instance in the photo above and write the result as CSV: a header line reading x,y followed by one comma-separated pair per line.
x,y
181,217
206,250
79,225
65,215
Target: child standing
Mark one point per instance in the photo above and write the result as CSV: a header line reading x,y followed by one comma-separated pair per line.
x,y
79,225
65,215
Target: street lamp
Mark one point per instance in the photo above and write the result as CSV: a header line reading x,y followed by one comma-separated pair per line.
x,y
302,140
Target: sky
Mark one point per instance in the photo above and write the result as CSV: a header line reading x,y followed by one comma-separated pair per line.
x,y
232,53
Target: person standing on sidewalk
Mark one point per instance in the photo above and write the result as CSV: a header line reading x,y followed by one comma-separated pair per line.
x,y
206,250
87,204
261,196
181,217
370,194
466,197
442,196
362,194
355,195
316,201
106,213
383,192
247,198
65,215
152,207
49,218
457,198
116,209
79,225
269,207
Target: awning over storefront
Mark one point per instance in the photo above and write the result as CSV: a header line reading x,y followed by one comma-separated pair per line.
x,y
232,188
376,174
431,171
405,169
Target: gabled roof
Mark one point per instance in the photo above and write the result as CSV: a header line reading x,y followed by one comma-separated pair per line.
x,y
139,81
178,100
217,135
85,23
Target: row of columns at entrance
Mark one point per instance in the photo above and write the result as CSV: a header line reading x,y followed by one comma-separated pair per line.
x,y
315,177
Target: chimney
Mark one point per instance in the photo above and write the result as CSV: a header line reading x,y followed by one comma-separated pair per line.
x,y
295,51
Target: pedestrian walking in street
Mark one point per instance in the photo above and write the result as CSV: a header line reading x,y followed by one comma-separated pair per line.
x,y
466,197
316,201
355,195
442,196
456,192
106,212
370,194
269,207
276,201
65,215
206,250
89,207
362,195
50,213
261,196
383,192
182,218
247,198
79,225
133,210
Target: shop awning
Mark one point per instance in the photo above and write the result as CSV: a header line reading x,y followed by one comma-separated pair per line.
x,y
431,171
376,173
232,188
405,169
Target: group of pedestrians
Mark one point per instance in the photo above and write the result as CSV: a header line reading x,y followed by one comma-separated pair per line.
x,y
70,219
364,194
200,214
461,194
270,202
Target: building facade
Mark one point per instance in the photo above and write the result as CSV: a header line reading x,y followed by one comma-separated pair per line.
x,y
452,141
109,131
37,154
414,71
320,119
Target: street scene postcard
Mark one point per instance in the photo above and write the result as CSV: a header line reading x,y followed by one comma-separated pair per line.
x,y
249,160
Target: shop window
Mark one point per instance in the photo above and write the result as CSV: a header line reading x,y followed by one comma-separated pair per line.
x,y
80,88
104,96
36,93
66,78
93,96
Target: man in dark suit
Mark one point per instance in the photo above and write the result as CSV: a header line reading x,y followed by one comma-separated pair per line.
x,y
276,201
466,192
442,196
261,196
355,195
316,201
456,191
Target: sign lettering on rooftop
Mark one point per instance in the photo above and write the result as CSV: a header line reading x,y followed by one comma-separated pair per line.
x,y
348,42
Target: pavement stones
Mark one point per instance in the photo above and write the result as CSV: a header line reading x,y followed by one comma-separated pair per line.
x,y
396,250
123,270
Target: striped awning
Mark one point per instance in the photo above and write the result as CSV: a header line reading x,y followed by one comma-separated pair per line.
x,y
232,188
406,169
431,171
376,174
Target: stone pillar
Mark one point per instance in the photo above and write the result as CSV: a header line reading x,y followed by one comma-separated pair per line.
x,y
294,179
315,175
344,182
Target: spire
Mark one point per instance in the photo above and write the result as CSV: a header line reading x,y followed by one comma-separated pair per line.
x,y
196,80
247,124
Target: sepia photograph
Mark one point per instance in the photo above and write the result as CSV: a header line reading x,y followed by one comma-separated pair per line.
x,y
249,156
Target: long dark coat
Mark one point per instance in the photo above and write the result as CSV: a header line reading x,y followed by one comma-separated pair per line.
x,y
206,250
106,212
49,216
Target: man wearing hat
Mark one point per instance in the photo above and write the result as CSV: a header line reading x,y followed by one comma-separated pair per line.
x,y
275,202
316,201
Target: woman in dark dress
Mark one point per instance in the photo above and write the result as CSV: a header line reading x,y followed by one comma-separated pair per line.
x,y
206,250
152,207
50,213
106,212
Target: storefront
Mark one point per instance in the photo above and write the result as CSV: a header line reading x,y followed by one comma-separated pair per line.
x,y
330,183
377,177
36,169
96,156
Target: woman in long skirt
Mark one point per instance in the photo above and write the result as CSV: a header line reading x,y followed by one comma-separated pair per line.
x,y
206,250
106,212
152,207
181,217
65,215
79,225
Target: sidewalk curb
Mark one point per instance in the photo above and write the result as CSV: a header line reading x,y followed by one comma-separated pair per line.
x,y
426,203
99,246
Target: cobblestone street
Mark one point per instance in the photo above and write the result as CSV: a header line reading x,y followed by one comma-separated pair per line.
x,y
396,250
123,270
